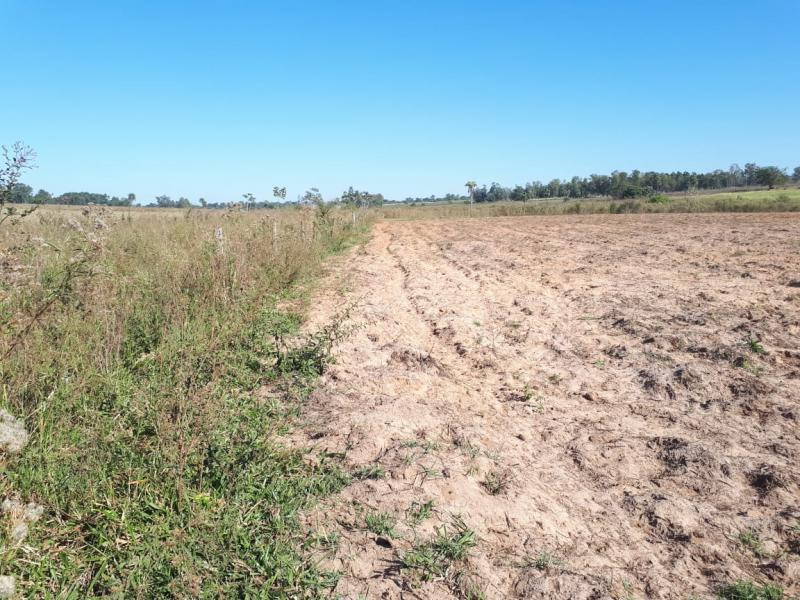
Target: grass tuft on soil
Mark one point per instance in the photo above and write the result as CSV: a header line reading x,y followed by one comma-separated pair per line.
x,y
746,590
433,558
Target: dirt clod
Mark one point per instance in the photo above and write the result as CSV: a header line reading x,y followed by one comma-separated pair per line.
x,y
765,478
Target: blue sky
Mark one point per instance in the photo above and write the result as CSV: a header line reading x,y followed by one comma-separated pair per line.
x,y
409,98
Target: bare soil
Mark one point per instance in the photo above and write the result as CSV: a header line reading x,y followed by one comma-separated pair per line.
x,y
610,402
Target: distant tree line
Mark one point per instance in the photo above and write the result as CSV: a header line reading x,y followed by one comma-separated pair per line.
x,y
636,184
450,198
618,184
359,198
250,202
23,194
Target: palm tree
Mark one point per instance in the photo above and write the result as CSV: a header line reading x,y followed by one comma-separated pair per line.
x,y
471,185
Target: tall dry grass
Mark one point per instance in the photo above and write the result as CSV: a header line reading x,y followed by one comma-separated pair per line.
x,y
132,345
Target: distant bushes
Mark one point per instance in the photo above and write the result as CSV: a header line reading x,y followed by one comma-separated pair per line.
x,y
763,201
630,206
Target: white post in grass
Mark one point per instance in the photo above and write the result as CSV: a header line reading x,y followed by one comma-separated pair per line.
x,y
219,238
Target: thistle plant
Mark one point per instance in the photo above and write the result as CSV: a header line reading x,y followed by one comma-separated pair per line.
x,y
16,160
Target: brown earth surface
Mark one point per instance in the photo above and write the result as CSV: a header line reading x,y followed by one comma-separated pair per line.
x,y
611,403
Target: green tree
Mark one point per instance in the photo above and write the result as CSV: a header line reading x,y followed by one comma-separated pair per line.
x,y
165,202
312,196
80,198
554,187
518,194
43,197
279,193
770,176
249,200
497,193
735,175
21,194
750,173
796,174
361,199
351,196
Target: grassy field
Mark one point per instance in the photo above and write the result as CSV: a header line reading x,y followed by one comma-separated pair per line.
x,y
784,200
148,367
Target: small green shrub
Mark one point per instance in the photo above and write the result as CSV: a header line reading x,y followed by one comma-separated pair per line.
x,y
749,539
755,345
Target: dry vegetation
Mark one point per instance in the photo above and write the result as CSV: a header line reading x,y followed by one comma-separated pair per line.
x,y
132,344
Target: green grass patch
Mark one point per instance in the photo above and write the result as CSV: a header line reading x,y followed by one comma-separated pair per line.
x,y
420,511
750,540
432,558
153,493
746,590
754,345
380,523
369,472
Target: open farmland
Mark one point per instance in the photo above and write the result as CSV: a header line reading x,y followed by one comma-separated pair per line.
x,y
400,301
565,407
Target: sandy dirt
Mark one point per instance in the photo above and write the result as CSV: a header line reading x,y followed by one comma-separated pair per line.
x,y
610,402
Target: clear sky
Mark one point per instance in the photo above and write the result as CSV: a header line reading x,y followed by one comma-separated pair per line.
x,y
407,98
